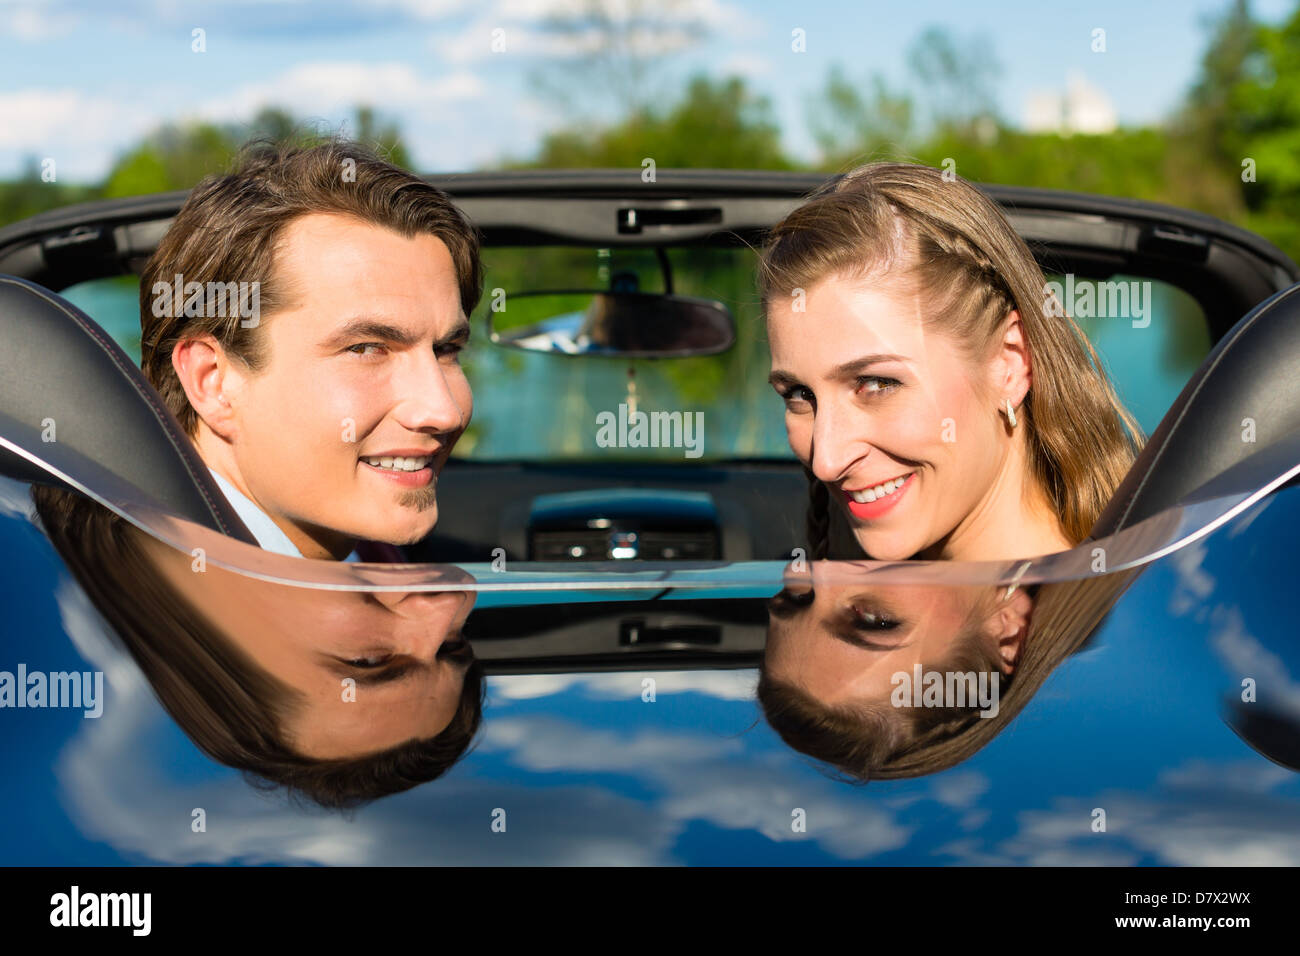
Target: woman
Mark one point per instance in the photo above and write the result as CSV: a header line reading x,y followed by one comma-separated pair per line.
x,y
943,405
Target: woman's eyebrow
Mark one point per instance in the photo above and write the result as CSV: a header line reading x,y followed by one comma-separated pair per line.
x,y
861,642
854,366
844,370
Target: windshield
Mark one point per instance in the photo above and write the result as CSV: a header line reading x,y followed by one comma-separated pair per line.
x,y
541,408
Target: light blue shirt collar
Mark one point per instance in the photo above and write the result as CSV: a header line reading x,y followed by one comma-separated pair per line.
x,y
267,532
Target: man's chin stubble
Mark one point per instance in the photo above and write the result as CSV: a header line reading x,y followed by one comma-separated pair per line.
x,y
420,499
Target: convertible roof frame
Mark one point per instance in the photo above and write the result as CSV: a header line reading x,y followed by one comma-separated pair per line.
x,y
1226,268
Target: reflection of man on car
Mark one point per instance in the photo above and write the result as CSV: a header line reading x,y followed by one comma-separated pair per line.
x,y
343,696
328,401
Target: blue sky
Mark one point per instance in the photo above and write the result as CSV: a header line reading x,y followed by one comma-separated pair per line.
x,y
80,79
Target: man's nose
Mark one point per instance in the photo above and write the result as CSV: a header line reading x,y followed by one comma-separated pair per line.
x,y
427,400
426,621
837,443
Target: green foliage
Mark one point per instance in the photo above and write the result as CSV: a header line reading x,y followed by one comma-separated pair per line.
x,y
30,194
717,124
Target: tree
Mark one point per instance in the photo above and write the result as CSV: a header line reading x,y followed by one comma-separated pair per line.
x,y
1232,54
605,51
957,78
851,127
716,124
1245,111
172,157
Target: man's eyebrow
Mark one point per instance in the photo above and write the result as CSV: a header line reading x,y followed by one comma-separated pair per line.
x,y
379,330
364,328
387,675
458,333
371,677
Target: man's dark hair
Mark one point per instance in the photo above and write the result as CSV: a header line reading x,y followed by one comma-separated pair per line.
x,y
227,232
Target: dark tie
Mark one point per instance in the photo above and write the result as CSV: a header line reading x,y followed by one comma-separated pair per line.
x,y
380,552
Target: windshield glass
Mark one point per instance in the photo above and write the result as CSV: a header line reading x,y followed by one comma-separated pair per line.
x,y
535,407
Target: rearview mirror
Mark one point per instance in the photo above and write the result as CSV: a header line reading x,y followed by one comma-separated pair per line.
x,y
632,324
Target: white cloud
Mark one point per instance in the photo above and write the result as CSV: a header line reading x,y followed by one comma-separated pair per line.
x,y
1207,775
329,88
959,790
1248,657
33,24
15,499
719,684
1194,584
699,782
651,28
78,130
548,744
1199,814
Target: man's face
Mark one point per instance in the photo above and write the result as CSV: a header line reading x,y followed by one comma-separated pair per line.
x,y
342,433
404,652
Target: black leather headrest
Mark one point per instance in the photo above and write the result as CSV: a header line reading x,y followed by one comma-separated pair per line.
x,y
57,364
1247,388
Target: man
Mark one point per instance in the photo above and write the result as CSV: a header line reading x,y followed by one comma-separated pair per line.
x,y
303,319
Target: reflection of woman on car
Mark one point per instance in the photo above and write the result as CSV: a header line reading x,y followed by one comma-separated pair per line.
x,y
883,682
341,696
941,405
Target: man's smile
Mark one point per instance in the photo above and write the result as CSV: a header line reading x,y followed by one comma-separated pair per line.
x,y
409,469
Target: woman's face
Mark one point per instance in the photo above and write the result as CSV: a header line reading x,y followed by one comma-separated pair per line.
x,y
891,416
846,643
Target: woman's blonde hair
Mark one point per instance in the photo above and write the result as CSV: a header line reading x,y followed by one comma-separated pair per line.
x,y
952,242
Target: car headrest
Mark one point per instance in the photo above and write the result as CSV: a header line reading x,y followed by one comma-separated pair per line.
x,y
1244,398
58,366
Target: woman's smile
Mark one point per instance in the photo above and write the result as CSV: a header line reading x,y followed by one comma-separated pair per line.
x,y
870,503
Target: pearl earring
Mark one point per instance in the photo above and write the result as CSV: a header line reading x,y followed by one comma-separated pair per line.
x,y
1011,414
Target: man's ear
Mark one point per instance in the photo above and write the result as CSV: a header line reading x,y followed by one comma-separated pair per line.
x,y
205,373
1012,366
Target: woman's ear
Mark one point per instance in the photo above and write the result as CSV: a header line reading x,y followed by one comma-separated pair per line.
x,y
205,372
1008,627
1013,368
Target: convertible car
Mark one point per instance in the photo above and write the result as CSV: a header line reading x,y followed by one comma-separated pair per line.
x,y
640,667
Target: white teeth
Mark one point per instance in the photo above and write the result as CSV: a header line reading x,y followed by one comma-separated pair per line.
x,y
879,491
399,464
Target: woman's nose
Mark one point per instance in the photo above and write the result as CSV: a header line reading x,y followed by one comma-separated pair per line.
x,y
837,443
